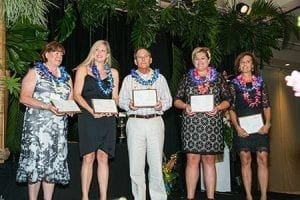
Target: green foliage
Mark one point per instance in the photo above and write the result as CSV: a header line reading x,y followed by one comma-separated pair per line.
x,y
66,25
258,32
23,42
178,69
13,85
34,11
94,12
14,125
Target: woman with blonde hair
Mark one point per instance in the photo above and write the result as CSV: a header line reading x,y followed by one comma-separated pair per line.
x,y
95,79
202,135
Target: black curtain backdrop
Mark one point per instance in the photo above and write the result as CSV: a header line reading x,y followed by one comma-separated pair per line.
x,y
117,31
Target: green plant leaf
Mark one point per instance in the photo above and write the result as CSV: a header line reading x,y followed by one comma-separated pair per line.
x,y
66,25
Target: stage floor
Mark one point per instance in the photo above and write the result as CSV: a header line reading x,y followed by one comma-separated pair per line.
x,y
119,183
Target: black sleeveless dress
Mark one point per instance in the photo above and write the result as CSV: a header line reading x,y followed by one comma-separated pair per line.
x,y
95,133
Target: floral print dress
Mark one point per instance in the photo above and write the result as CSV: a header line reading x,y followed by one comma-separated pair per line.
x,y
44,150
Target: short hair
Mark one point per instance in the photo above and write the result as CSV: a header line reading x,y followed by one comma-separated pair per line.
x,y
51,47
136,50
204,50
242,55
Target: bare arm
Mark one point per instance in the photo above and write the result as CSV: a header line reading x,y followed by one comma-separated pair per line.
x,y
27,89
240,131
78,86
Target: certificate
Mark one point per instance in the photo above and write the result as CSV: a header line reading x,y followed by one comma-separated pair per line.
x,y
252,123
202,103
65,106
104,106
144,98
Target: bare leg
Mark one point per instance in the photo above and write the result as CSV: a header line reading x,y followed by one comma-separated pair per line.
x,y
263,173
33,190
48,189
192,174
86,174
102,173
246,173
209,173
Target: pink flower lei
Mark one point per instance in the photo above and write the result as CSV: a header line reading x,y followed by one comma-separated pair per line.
x,y
256,85
202,83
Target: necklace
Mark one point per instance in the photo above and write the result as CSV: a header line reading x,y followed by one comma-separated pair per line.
x,y
201,82
252,101
96,73
142,81
45,72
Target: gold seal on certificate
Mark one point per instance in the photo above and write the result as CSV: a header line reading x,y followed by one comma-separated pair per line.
x,y
65,106
104,106
202,103
144,98
252,123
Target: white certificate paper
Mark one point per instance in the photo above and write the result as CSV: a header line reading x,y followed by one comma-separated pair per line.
x,y
144,98
104,106
202,103
65,106
252,123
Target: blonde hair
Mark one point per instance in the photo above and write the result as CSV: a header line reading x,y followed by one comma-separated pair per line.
x,y
201,50
90,59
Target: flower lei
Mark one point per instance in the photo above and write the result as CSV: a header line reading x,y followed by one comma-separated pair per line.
x,y
202,83
96,73
142,81
256,85
44,72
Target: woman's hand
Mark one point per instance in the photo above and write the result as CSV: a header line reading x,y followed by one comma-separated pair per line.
x,y
188,110
241,132
265,129
213,112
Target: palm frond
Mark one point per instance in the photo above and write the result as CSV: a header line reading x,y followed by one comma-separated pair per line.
x,y
94,12
67,24
34,11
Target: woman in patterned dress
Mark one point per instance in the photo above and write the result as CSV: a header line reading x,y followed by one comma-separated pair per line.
x,y
250,97
202,135
43,157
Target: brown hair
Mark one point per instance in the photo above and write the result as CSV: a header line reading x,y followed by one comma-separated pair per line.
x,y
242,55
136,50
51,47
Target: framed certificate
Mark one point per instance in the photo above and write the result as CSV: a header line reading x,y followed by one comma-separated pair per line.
x,y
202,103
144,98
104,106
252,123
65,106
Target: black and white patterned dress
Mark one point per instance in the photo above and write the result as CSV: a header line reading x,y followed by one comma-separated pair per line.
x,y
202,133
44,150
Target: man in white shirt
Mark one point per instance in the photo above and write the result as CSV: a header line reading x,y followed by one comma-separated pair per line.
x,y
145,127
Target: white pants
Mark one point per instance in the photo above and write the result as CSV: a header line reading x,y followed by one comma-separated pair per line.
x,y
146,137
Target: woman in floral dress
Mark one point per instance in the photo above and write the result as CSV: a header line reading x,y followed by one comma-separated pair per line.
x,y
43,157
202,135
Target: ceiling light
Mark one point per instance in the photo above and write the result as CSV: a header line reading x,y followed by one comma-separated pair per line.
x,y
243,8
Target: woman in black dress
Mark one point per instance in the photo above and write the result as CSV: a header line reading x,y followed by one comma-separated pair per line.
x,y
202,135
95,79
251,98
